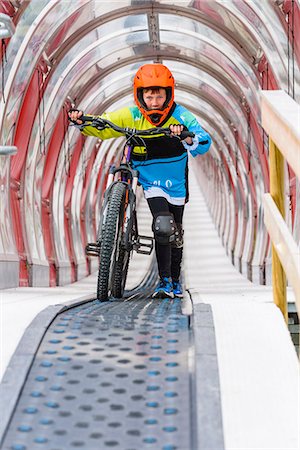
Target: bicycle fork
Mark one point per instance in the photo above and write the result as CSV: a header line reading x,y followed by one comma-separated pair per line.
x,y
131,237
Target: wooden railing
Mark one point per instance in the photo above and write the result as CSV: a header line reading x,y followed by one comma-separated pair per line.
x,y
281,121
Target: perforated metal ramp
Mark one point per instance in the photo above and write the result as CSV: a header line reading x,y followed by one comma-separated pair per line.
x,y
110,375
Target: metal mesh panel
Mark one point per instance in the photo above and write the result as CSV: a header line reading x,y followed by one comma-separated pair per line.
x,y
111,375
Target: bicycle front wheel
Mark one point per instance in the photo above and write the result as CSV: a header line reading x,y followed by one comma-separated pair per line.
x,y
111,249
119,273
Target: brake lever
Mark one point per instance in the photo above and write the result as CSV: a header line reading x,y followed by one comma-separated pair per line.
x,y
99,127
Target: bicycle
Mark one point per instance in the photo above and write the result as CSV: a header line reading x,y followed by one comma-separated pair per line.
x,y
117,234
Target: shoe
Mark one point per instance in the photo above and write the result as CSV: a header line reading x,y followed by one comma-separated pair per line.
x,y
177,289
164,289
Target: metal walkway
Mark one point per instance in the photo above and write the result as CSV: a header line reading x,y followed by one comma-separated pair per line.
x,y
110,375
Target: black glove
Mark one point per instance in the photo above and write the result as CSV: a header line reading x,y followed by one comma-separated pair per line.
x,y
184,133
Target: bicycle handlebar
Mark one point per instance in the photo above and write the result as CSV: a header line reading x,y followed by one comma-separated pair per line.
x,y
101,124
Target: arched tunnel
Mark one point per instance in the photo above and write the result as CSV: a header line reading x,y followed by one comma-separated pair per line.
x,y
63,54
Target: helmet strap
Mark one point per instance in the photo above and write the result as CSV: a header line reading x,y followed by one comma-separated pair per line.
x,y
155,117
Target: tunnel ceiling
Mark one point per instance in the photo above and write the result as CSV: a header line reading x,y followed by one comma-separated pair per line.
x,y
217,50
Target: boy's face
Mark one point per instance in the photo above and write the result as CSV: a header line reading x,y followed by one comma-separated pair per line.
x,y
154,98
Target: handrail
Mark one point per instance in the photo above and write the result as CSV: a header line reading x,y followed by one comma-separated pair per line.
x,y
8,150
281,121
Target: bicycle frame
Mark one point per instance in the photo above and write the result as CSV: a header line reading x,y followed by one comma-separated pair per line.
x,y
129,177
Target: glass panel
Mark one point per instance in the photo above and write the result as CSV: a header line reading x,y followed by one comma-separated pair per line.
x,y
83,16
237,68
104,7
256,25
76,74
200,38
228,23
207,87
24,51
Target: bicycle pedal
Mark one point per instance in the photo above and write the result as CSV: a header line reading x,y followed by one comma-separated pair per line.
x,y
144,245
92,249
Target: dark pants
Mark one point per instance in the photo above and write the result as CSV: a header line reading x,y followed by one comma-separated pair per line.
x,y
168,257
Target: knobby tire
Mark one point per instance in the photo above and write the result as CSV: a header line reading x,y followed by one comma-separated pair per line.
x,y
111,276
119,274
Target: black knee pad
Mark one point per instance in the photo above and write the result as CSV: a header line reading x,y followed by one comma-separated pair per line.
x,y
164,228
178,241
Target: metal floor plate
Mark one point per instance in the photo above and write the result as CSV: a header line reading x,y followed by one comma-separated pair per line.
x,y
109,375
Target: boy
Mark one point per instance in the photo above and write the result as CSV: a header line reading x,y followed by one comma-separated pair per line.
x,y
162,165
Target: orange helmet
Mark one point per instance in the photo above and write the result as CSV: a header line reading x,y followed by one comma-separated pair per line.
x,y
154,76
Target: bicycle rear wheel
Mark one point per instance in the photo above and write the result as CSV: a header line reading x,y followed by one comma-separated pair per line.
x,y
120,264
111,252
123,250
